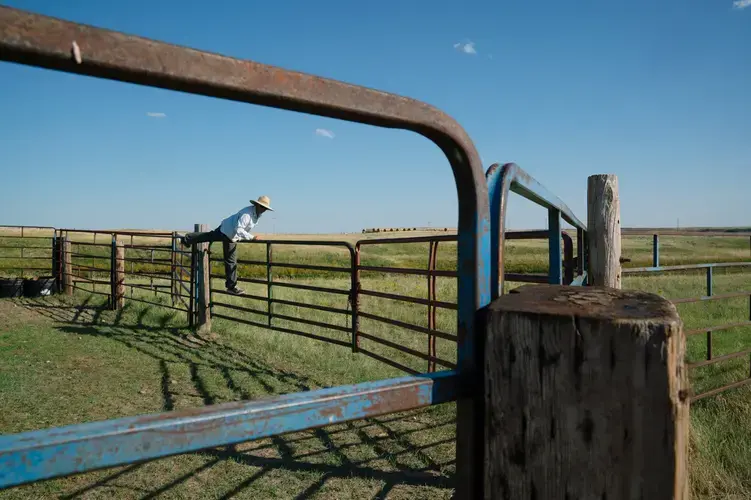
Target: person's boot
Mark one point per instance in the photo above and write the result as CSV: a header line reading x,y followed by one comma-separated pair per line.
x,y
235,291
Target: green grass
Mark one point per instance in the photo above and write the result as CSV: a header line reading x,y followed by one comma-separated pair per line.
x,y
61,363
102,364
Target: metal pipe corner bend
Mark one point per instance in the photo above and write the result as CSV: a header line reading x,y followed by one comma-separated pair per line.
x,y
501,180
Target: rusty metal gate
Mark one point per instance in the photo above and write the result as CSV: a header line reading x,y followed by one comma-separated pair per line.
x,y
55,44
154,269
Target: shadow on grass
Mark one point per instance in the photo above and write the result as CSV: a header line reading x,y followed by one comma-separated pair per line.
x,y
394,450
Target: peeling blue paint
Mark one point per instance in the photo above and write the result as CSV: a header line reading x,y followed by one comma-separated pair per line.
x,y
49,453
508,178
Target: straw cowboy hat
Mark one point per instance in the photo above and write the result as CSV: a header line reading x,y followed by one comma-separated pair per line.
x,y
263,201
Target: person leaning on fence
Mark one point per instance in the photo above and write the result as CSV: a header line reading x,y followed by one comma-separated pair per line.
x,y
234,228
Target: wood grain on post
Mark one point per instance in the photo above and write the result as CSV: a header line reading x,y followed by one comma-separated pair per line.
x,y
586,395
203,281
604,231
67,267
119,276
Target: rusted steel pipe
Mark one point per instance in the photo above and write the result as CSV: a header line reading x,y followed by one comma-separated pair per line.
x,y
51,43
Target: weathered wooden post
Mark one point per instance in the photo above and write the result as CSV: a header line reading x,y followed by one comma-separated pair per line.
x,y
118,274
586,395
67,267
604,231
203,282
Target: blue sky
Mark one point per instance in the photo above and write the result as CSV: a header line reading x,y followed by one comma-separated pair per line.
x,y
656,92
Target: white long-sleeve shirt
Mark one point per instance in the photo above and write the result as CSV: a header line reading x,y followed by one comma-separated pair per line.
x,y
237,227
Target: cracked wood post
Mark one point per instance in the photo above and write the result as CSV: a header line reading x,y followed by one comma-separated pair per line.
x,y
203,282
586,395
604,231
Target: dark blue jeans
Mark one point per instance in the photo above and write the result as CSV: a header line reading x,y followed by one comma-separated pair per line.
x,y
228,246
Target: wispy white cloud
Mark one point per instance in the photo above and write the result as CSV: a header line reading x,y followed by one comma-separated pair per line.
x,y
325,133
742,4
467,47
152,114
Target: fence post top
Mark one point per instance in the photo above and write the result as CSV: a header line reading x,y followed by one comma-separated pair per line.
x,y
589,302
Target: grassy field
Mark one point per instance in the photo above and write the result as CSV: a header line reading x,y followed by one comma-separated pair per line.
x,y
67,360
521,256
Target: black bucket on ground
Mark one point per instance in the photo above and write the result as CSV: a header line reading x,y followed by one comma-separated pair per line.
x,y
11,287
39,287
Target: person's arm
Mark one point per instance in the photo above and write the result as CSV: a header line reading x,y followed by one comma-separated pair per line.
x,y
240,231
242,234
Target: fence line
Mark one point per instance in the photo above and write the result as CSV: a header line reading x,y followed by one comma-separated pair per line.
x,y
30,246
352,310
154,267
158,269
709,296
150,266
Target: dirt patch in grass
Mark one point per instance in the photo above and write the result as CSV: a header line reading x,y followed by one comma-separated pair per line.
x,y
12,315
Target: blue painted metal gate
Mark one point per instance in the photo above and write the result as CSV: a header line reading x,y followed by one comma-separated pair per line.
x,y
35,40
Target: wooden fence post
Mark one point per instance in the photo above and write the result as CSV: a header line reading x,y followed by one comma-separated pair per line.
x,y
203,282
118,275
67,267
604,231
586,395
